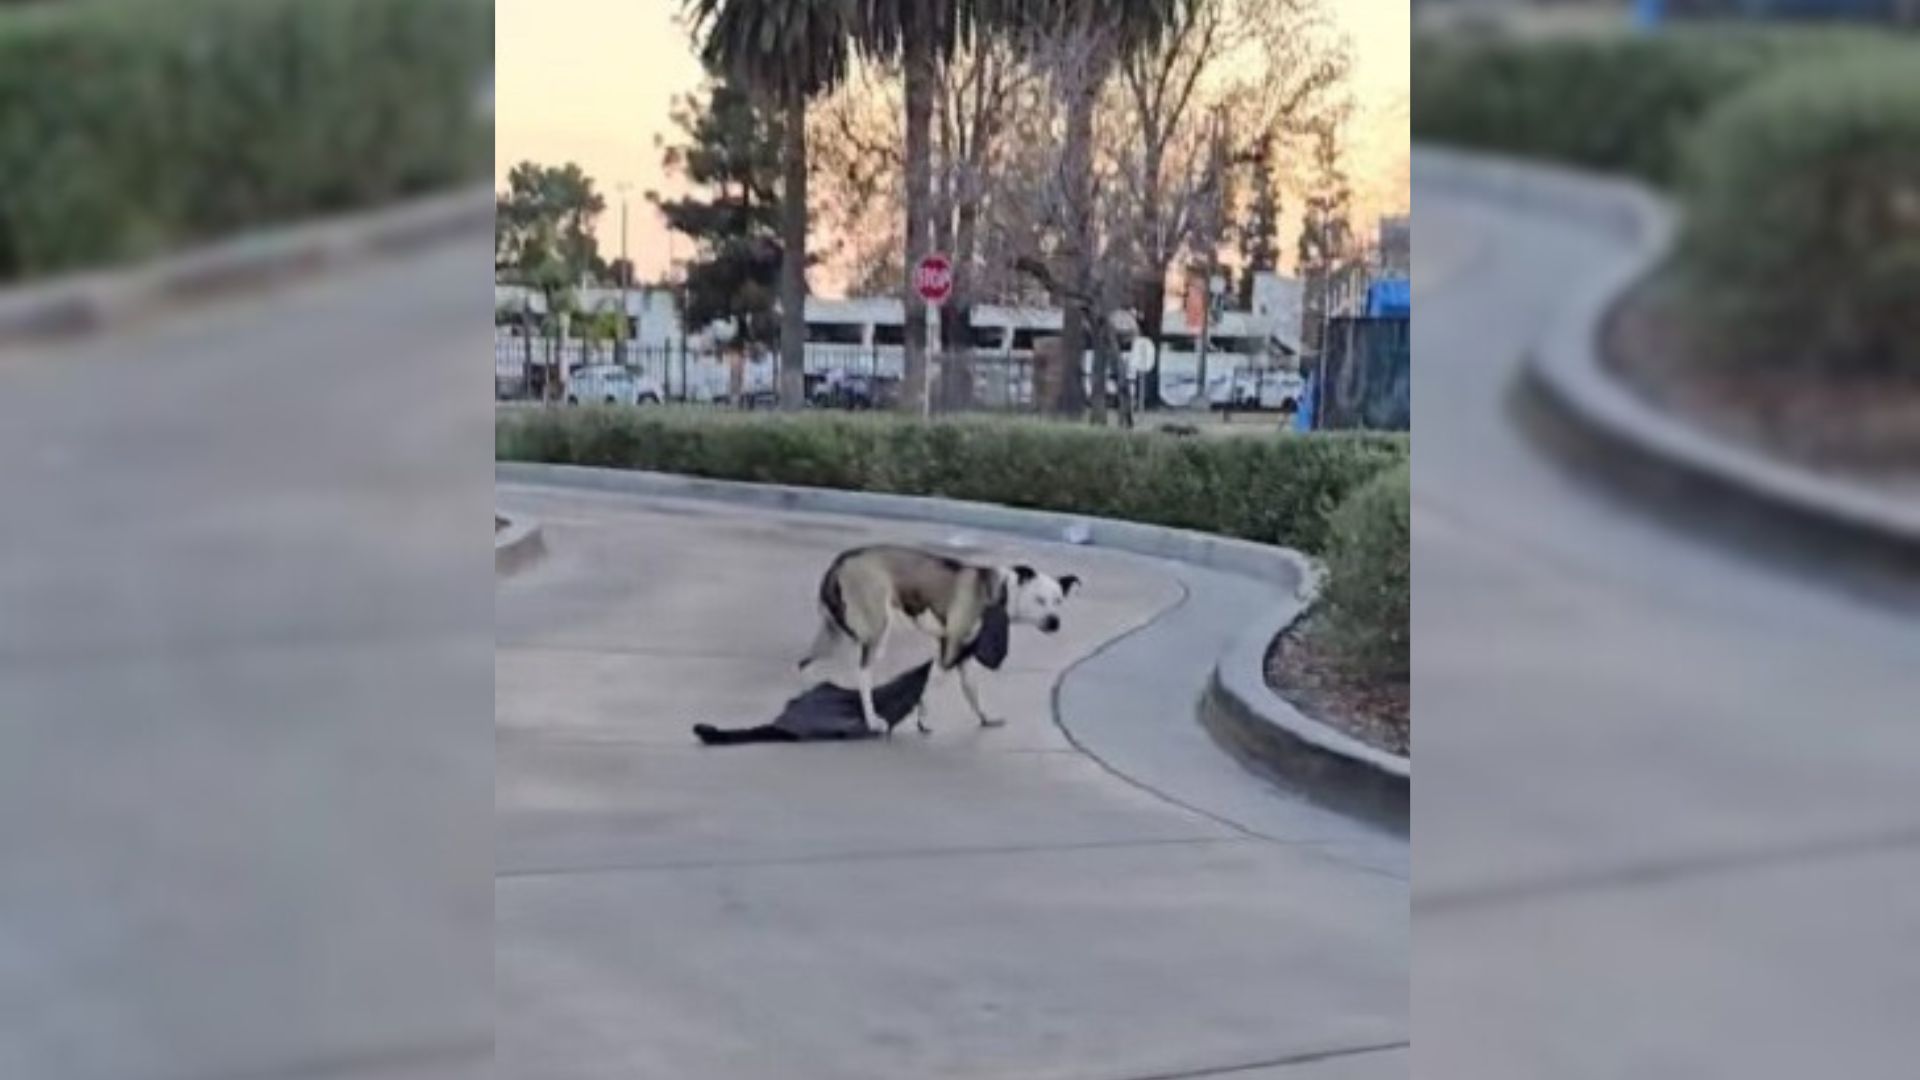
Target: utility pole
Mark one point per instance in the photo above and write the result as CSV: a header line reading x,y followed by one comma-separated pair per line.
x,y
626,274
1210,241
1204,395
677,275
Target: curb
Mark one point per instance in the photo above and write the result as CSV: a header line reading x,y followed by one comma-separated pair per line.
x,y
517,541
101,300
1246,717
1262,729
1566,385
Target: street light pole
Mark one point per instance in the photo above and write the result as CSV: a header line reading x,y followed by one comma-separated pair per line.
x,y
626,275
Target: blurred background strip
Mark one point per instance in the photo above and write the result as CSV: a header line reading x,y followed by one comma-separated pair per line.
x,y
1667,824
245,644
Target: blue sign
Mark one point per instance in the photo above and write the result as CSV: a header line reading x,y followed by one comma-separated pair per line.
x,y
1391,298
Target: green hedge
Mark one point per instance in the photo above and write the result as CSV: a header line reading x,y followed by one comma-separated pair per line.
x,y
1370,579
1615,103
1803,225
1278,489
129,127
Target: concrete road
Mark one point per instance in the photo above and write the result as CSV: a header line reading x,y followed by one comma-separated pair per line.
x,y
244,645
1666,814
966,904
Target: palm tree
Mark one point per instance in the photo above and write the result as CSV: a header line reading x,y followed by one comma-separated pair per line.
x,y
789,51
919,35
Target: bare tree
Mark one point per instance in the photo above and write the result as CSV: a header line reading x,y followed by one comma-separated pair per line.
x,y
1181,113
976,92
979,89
1258,74
1035,217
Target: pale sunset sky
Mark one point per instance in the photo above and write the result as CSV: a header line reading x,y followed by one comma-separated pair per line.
x,y
591,81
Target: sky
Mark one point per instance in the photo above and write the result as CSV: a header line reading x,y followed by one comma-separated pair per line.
x,y
592,81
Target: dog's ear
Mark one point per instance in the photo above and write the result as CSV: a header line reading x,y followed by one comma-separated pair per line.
x,y
1024,573
1067,583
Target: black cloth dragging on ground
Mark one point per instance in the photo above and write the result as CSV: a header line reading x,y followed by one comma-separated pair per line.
x,y
827,711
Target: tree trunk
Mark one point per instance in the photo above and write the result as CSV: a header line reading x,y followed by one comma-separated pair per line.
x,y
793,261
1150,301
1102,358
920,77
956,320
1078,161
1115,366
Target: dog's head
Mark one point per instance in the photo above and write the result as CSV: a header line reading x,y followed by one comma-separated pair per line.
x,y
1035,598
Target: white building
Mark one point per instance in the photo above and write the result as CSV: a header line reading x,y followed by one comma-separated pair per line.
x,y
867,336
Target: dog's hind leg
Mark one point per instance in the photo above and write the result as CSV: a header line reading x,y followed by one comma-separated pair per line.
x,y
873,721
869,652
926,694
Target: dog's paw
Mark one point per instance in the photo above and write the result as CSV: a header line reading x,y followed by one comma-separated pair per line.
x,y
922,726
991,722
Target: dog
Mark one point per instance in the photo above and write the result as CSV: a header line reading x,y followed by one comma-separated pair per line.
x,y
953,601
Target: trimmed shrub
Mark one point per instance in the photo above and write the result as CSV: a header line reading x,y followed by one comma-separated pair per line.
x,y
1803,231
1276,490
1365,607
1611,103
135,126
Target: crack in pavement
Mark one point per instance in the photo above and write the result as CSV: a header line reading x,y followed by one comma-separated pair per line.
x,y
841,857
1310,1057
1652,873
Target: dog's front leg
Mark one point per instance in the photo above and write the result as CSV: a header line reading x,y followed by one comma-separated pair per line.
x,y
868,653
873,721
973,697
934,679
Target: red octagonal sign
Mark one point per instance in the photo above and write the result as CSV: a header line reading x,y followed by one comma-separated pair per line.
x,y
933,278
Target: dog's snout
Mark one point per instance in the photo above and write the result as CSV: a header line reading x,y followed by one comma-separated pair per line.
x,y
1050,624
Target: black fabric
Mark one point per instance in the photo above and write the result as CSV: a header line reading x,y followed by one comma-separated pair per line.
x,y
829,712
989,646
714,736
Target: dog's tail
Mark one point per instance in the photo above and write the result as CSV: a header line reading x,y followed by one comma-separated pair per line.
x,y
831,601
833,606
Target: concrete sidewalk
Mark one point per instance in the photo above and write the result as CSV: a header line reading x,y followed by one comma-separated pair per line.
x,y
244,764
1666,812
968,904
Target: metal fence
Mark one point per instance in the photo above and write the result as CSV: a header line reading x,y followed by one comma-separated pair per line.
x,y
1364,379
852,377
522,367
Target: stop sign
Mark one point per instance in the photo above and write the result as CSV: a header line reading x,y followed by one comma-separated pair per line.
x,y
933,278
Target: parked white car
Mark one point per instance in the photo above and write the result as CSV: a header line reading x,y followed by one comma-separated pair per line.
x,y
1236,388
611,384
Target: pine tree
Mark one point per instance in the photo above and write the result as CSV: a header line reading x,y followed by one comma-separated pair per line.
x,y
732,153
1260,236
1326,236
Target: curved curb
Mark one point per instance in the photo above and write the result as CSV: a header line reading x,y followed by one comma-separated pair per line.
x,y
1265,731
1627,439
105,299
1246,717
517,541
